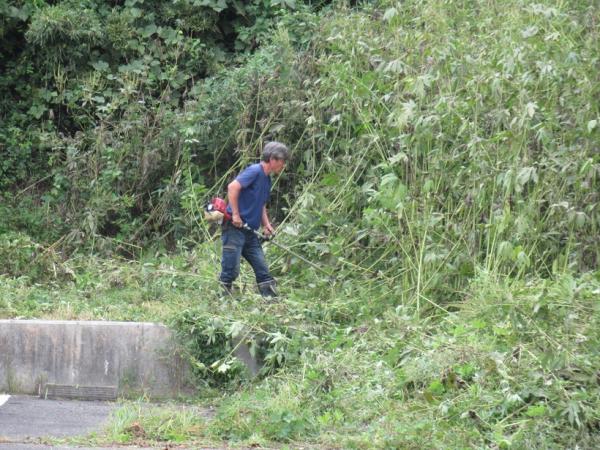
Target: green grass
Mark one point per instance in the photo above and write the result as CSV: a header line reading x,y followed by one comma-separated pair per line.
x,y
512,364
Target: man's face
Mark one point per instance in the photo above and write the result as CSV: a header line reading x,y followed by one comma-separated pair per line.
x,y
277,165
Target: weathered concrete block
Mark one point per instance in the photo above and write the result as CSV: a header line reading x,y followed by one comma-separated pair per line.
x,y
138,358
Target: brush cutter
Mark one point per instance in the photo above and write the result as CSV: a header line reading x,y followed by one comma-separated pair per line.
x,y
264,238
216,211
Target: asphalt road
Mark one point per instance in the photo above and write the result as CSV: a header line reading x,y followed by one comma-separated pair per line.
x,y
24,417
10,446
24,420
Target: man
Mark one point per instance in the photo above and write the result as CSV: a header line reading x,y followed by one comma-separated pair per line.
x,y
248,195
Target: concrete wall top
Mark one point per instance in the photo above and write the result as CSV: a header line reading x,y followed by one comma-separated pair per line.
x,y
82,322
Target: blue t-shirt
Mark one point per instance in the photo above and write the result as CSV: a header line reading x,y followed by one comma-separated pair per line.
x,y
256,188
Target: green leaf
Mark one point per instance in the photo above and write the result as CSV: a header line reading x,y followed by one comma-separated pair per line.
x,y
428,186
505,250
478,324
395,66
389,179
331,179
37,111
149,30
287,3
525,175
436,388
236,329
135,13
100,65
535,411
217,5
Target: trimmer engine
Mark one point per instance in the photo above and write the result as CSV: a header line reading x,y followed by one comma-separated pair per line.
x,y
216,211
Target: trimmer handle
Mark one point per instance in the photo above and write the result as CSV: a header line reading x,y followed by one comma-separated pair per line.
x,y
264,237
261,237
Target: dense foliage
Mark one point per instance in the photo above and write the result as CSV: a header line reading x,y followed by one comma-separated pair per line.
x,y
95,101
445,183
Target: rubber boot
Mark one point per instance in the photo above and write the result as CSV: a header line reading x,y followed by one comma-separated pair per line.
x,y
227,289
268,289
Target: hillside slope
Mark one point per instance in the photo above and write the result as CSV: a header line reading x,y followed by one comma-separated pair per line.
x,y
445,184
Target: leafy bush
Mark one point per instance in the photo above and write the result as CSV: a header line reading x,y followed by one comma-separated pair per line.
x,y
67,26
23,257
208,347
95,103
210,342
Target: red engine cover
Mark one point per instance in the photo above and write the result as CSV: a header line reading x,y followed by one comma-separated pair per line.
x,y
220,205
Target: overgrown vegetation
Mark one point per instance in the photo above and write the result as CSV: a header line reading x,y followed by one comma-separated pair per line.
x,y
445,180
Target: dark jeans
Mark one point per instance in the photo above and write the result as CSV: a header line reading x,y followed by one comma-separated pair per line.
x,y
238,242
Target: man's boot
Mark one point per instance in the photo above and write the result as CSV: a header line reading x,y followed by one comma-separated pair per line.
x,y
268,289
227,289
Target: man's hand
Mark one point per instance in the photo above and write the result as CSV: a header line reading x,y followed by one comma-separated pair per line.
x,y
236,220
268,230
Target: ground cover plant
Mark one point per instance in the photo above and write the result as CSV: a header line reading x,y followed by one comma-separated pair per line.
x,y
444,182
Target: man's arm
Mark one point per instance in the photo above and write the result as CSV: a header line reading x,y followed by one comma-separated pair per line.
x,y
233,193
268,229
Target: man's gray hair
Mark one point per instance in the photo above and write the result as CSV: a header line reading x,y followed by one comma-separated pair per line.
x,y
275,150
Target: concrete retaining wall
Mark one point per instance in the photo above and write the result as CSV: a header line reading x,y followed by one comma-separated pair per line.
x,y
134,357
